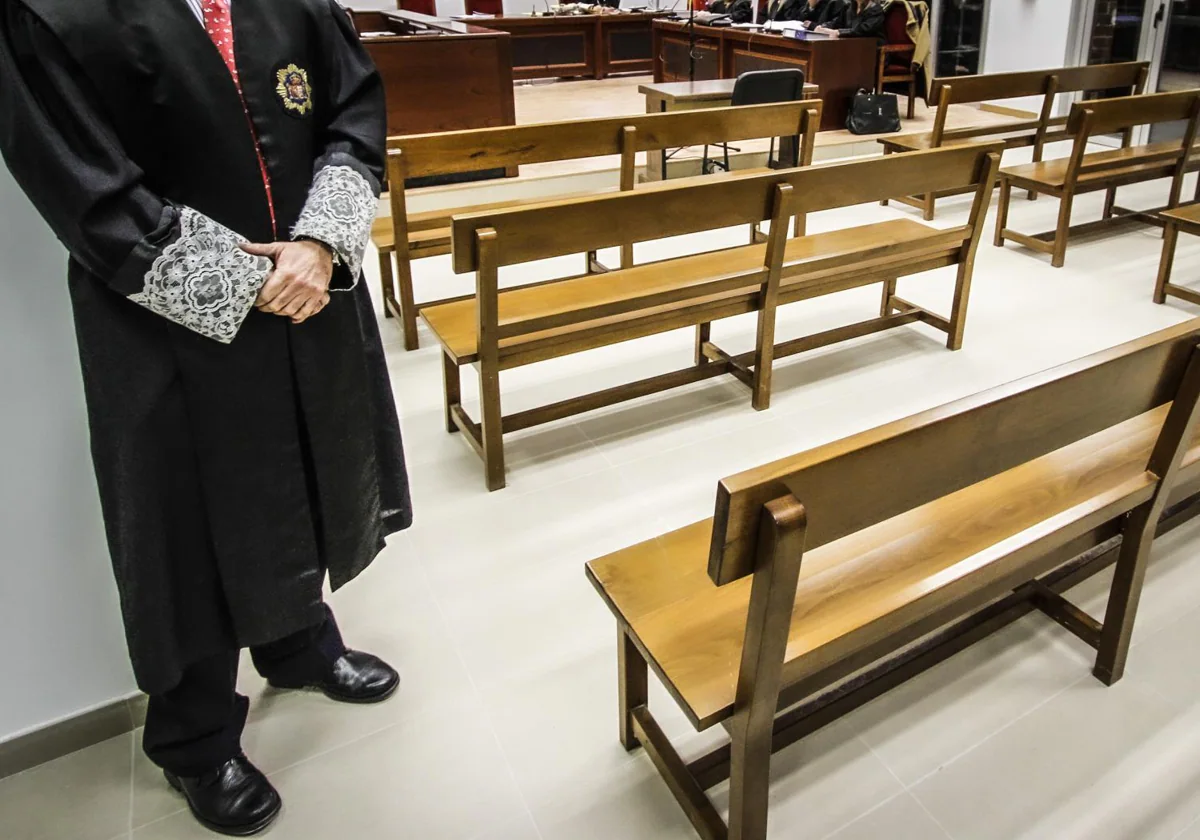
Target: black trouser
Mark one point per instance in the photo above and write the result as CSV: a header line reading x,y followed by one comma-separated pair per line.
x,y
197,725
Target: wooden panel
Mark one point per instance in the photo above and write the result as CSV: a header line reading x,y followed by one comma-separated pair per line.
x,y
572,227
444,83
466,151
1033,82
675,59
1111,115
748,61
849,485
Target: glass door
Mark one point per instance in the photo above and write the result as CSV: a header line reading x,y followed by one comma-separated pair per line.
x,y
959,37
1177,54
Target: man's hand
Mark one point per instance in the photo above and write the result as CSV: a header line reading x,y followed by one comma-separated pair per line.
x,y
298,288
825,30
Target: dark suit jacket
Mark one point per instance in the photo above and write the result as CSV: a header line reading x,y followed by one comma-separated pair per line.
x,y
865,24
824,13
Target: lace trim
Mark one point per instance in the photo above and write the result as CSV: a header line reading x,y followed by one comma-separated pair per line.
x,y
203,281
339,211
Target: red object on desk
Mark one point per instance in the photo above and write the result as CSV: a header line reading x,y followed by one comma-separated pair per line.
x,y
485,7
421,7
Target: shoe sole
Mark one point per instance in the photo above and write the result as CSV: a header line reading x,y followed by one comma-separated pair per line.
x,y
228,831
341,698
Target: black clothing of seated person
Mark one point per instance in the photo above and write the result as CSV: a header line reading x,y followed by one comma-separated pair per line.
x,y
785,9
814,13
858,19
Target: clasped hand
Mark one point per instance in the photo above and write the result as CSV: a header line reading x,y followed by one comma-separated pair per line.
x,y
298,286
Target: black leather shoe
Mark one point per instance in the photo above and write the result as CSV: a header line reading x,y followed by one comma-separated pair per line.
x,y
356,677
235,799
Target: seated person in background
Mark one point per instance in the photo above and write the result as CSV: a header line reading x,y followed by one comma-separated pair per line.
x,y
785,9
814,13
859,19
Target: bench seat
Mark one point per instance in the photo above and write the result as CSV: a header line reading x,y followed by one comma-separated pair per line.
x,y
1014,136
905,568
456,325
1054,173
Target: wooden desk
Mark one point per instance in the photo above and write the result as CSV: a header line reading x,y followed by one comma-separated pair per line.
x,y
838,66
439,75
595,46
685,96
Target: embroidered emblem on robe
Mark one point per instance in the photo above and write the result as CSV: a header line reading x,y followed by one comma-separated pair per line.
x,y
294,89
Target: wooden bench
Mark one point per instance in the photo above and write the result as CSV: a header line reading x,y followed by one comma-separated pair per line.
x,y
1084,171
1187,220
427,234
498,330
1024,131
827,577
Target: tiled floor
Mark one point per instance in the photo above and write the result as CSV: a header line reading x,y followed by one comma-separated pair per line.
x,y
505,727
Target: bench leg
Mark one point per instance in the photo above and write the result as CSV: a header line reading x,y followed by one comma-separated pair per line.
x,y
958,310
749,780
387,282
1124,595
764,359
930,209
452,382
886,201
631,683
1170,237
491,428
800,225
703,335
1002,211
1063,232
885,305
1110,201
408,307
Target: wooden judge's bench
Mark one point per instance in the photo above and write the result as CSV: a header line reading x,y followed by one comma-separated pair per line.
x,y
440,75
838,66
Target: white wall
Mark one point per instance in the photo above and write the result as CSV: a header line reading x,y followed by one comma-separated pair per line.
x,y
64,651
1027,35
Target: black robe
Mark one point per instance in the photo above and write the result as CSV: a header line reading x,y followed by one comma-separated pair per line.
x,y
240,458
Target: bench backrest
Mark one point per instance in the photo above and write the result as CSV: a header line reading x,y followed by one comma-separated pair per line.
x,y
1047,84
1123,115
994,86
472,150
571,227
1109,116
851,484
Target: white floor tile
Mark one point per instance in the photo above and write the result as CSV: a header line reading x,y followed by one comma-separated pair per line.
x,y
1094,762
929,721
900,818
82,796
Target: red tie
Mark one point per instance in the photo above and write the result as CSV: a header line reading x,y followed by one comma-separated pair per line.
x,y
218,22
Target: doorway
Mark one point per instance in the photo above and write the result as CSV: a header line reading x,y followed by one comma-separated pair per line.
x,y
1165,33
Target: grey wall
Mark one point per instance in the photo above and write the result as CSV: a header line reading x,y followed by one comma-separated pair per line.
x,y
60,630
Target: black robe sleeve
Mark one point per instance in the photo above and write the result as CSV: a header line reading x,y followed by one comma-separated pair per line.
x,y
869,24
343,199
63,152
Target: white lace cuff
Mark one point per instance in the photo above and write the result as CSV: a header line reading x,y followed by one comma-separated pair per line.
x,y
203,280
339,212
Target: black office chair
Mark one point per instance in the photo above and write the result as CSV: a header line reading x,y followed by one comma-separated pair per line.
x,y
762,87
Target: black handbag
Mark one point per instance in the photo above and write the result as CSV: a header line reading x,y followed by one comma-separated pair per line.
x,y
873,113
